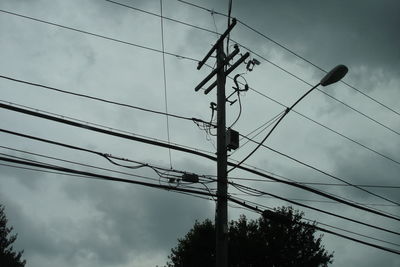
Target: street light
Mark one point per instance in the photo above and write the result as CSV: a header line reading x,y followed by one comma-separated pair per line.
x,y
335,75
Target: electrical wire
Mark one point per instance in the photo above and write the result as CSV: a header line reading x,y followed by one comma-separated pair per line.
x,y
272,129
319,201
107,156
323,92
169,188
55,166
321,184
260,192
101,128
237,90
102,177
192,59
328,128
165,81
76,163
97,35
290,73
339,199
295,54
256,209
129,137
99,99
102,154
323,172
186,150
258,205
266,125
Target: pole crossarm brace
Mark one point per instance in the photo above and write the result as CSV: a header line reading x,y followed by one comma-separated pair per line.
x,y
228,71
221,39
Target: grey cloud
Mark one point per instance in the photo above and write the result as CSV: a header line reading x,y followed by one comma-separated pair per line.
x,y
356,33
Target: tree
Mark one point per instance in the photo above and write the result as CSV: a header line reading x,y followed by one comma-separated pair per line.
x,y
8,257
277,238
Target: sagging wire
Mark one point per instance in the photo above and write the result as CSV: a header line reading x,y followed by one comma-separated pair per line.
x,y
263,128
207,127
109,156
209,191
161,172
246,190
238,90
170,175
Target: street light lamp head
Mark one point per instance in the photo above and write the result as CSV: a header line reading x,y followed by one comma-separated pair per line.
x,y
335,75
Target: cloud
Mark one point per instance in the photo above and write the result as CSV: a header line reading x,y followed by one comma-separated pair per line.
x,y
93,223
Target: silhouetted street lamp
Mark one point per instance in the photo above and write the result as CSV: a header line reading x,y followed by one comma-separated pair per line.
x,y
335,75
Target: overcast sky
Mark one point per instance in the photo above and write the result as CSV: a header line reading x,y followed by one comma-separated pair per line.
x,y
73,221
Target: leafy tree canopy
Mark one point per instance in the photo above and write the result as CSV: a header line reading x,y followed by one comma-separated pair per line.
x,y
276,239
8,257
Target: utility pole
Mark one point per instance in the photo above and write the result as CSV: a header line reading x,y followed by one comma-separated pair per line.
x,y
221,213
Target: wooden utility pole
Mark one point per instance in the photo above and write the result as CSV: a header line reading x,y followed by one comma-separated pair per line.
x,y
221,212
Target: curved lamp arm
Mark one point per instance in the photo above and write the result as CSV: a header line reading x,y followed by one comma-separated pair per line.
x,y
335,75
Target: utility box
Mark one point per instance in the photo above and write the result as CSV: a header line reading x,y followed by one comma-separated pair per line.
x,y
232,139
190,177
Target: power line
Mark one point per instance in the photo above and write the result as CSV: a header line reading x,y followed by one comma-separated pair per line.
x,y
196,61
321,201
276,65
104,177
293,53
192,59
109,178
322,184
323,92
100,153
328,128
98,35
259,144
337,198
265,126
318,192
287,110
84,176
104,155
99,99
323,172
130,136
91,126
256,209
186,150
165,80
164,17
169,188
258,205
260,192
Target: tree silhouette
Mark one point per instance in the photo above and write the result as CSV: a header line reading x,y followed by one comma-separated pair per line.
x,y
275,239
8,257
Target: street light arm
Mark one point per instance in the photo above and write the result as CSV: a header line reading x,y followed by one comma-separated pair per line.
x,y
273,128
335,75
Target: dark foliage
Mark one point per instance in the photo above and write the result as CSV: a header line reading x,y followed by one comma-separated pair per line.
x,y
8,257
280,241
